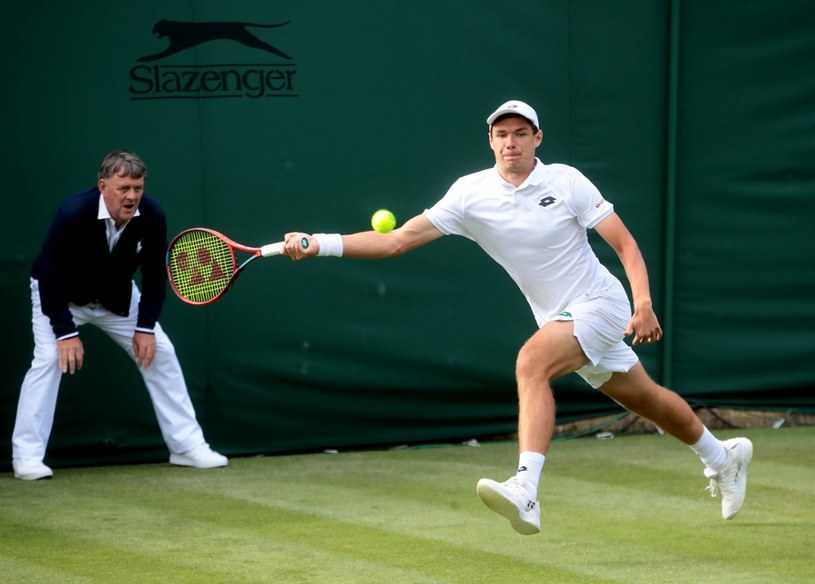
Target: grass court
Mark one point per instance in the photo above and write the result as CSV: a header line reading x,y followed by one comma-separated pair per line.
x,y
627,510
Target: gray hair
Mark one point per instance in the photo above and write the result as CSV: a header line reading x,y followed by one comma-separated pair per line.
x,y
122,163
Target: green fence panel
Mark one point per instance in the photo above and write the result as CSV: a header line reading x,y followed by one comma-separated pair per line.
x,y
745,265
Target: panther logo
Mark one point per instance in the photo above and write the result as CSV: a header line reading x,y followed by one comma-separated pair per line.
x,y
186,35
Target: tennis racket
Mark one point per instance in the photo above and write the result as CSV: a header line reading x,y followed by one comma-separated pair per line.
x,y
202,264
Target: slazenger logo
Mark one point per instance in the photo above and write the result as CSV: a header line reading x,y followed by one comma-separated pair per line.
x,y
178,81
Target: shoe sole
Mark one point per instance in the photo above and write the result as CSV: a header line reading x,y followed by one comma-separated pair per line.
x,y
34,477
498,503
183,462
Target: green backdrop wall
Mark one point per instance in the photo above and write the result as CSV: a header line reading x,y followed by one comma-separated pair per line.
x,y
694,118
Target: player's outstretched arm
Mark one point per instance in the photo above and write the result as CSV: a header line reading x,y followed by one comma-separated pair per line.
x,y
367,244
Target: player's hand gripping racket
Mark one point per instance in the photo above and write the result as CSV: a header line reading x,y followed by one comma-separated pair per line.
x,y
201,263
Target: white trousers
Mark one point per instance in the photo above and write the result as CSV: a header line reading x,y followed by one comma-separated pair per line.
x,y
164,380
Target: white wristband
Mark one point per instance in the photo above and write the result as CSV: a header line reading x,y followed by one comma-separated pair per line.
x,y
330,244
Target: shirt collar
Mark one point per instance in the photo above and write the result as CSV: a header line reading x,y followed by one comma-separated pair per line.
x,y
535,177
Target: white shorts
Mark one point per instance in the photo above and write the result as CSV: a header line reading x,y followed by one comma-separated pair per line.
x,y
600,319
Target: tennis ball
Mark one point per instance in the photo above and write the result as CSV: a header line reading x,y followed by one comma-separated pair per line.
x,y
383,221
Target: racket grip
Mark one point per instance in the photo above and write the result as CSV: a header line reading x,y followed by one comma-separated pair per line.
x,y
272,249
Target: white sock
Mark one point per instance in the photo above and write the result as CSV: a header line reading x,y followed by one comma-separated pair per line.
x,y
530,465
711,450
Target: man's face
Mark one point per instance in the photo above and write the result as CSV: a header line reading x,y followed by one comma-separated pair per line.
x,y
514,144
122,196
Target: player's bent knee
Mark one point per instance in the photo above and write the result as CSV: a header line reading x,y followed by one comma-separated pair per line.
x,y
532,366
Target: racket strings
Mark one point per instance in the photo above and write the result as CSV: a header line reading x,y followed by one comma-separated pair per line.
x,y
201,266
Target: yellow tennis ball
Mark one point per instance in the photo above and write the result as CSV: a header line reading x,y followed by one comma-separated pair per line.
x,y
383,221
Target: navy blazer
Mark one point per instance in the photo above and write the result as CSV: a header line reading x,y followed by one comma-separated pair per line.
x,y
76,266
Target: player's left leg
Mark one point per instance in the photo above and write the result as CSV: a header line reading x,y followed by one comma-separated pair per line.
x,y
726,461
638,393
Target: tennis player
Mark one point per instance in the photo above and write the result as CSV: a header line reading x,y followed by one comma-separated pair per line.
x,y
532,218
97,241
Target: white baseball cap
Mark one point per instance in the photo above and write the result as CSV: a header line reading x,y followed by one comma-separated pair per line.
x,y
515,107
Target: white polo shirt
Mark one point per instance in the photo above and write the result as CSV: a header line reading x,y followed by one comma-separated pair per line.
x,y
536,232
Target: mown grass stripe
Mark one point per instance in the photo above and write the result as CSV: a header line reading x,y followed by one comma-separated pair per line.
x,y
627,510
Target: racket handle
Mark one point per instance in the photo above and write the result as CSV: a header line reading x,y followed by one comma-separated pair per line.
x,y
271,249
274,249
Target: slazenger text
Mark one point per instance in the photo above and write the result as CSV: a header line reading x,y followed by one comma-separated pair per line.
x,y
211,81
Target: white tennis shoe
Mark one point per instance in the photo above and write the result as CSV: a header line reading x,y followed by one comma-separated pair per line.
x,y
201,457
30,470
732,479
512,500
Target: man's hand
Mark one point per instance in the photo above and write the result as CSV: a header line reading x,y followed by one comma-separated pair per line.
x,y
144,345
644,326
294,249
71,354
